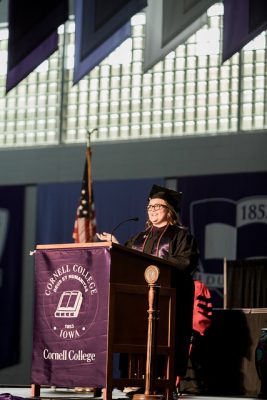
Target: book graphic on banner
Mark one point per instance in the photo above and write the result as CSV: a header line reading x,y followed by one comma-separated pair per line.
x,y
231,229
69,304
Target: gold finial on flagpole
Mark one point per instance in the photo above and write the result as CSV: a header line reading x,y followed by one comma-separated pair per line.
x,y
89,133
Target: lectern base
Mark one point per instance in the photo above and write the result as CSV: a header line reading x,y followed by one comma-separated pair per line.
x,y
142,396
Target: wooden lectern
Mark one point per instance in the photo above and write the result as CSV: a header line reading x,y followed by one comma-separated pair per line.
x,y
128,319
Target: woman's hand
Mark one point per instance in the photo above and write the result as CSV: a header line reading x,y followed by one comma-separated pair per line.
x,y
107,237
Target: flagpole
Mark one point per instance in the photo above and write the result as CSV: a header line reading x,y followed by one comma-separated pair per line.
x,y
89,179
89,133
88,159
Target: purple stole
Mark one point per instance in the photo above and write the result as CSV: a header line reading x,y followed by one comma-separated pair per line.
x,y
163,245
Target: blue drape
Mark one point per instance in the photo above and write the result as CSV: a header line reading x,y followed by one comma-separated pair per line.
x,y
11,227
115,201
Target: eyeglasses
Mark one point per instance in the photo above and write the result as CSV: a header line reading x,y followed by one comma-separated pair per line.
x,y
155,207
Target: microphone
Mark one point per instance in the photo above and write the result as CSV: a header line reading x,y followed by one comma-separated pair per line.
x,y
123,222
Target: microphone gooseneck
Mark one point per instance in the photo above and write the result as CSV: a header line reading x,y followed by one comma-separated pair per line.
x,y
123,222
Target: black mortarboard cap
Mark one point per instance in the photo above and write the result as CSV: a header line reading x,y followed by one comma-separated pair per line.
x,y
169,195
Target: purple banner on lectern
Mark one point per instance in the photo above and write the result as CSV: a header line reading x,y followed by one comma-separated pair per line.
x,y
71,316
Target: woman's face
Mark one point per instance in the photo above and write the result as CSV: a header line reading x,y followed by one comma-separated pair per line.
x,y
157,212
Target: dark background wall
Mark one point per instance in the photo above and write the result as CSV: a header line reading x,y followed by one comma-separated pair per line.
x,y
146,160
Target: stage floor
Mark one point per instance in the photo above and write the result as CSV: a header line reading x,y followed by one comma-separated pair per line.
x,y
51,393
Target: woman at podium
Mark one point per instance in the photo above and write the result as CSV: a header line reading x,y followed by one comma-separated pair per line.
x,y
164,236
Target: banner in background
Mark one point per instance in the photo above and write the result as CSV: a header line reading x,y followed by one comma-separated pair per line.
x,y
101,26
170,23
228,216
71,317
11,237
243,20
32,35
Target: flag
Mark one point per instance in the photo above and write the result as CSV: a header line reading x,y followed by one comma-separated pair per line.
x,y
85,222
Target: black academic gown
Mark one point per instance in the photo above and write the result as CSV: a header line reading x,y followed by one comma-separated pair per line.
x,y
175,244
172,242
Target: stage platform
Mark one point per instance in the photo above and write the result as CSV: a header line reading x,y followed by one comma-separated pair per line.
x,y
69,394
